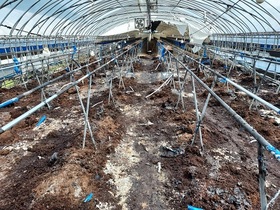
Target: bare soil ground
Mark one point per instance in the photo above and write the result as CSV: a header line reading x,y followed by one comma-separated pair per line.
x,y
133,166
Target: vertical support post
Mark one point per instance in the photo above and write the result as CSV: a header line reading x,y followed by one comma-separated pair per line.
x,y
255,75
203,110
42,79
86,118
111,97
197,115
48,69
259,86
121,67
43,95
262,175
178,75
181,89
232,66
87,107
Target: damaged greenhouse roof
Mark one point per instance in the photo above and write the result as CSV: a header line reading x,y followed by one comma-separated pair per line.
x,y
108,17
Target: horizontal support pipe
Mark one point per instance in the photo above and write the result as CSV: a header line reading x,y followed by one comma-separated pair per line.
x,y
252,95
249,93
237,117
64,89
16,99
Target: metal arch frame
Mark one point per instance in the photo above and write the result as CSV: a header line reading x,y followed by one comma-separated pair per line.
x,y
86,11
73,22
259,20
1,23
234,17
89,18
74,12
54,15
81,22
35,25
240,19
166,19
198,13
17,22
201,8
60,23
7,3
269,14
155,13
225,24
227,21
39,20
234,8
256,17
243,22
243,25
61,12
112,23
198,6
100,9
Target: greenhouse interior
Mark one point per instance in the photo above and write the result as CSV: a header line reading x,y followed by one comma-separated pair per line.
x,y
140,104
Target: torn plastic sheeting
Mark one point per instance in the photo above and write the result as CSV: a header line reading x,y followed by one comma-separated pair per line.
x,y
195,49
197,35
88,198
42,119
182,29
193,208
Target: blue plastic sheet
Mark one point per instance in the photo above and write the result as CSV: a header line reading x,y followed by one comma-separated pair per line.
x,y
205,61
88,198
205,53
222,80
162,53
42,119
16,67
193,208
74,51
273,151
